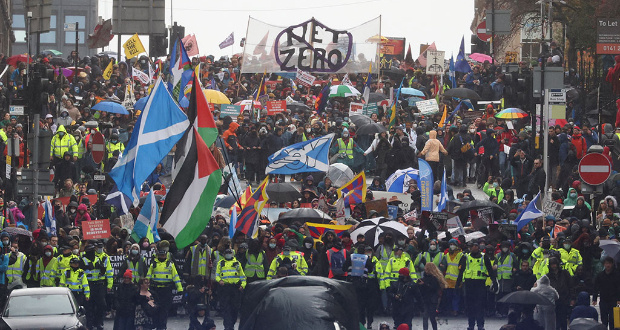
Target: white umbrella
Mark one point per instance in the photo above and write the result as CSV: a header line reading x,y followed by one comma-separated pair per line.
x,y
343,91
474,235
372,228
340,174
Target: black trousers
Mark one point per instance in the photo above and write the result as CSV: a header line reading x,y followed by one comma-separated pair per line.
x,y
164,302
475,302
96,305
607,313
230,301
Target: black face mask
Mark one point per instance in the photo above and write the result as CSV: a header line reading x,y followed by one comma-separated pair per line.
x,y
75,268
90,254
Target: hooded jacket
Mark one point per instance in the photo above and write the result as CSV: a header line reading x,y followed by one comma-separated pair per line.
x,y
79,218
583,308
545,289
570,201
580,145
564,147
229,134
432,148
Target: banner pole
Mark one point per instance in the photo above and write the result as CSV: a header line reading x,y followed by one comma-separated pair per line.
x,y
245,44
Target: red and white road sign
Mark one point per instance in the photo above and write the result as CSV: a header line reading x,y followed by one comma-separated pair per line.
x,y
594,169
481,32
98,147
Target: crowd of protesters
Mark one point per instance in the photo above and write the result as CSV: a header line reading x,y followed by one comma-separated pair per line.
x,y
425,274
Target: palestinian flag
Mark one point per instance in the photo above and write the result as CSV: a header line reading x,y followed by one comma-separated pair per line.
x,y
189,202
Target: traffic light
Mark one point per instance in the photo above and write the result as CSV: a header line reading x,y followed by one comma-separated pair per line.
x,y
177,32
479,46
158,45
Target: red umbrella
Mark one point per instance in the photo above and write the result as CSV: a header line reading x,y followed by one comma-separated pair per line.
x,y
13,60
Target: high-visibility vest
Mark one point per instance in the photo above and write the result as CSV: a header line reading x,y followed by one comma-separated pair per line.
x,y
63,262
61,145
295,257
164,273
202,258
76,281
47,275
109,271
452,272
346,148
436,260
111,147
570,259
254,266
134,266
3,135
504,267
541,267
475,268
92,269
16,269
81,149
376,269
230,272
358,265
393,267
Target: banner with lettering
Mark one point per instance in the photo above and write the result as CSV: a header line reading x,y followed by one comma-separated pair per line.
x,y
96,229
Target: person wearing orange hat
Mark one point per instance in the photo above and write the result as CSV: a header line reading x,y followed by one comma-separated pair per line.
x,y
124,301
403,293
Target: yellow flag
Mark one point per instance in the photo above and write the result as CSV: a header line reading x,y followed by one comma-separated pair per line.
x,y
107,73
443,117
133,47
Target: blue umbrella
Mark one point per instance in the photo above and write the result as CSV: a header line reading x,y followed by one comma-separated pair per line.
x,y
396,182
413,100
111,107
412,91
141,103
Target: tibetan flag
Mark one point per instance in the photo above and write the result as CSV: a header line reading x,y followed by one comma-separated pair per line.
x,y
321,100
243,200
354,192
133,47
394,103
107,73
317,230
246,221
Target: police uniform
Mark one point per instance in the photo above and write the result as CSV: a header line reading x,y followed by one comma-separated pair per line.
x,y
393,267
198,258
231,278
61,144
47,275
95,273
164,277
360,269
474,271
294,258
17,261
76,280
571,259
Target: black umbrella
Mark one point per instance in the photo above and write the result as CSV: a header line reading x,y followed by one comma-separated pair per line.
x,y
305,214
462,93
525,298
376,97
479,204
586,324
282,192
17,231
360,120
297,106
225,202
371,129
372,228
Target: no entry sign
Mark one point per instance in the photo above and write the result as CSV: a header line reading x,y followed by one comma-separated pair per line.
x,y
594,169
98,150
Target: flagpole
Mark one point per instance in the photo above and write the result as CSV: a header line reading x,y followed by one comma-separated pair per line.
x,y
234,192
245,44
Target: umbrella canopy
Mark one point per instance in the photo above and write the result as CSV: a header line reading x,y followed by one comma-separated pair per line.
x,y
305,214
412,91
12,61
343,91
17,231
479,204
371,129
224,201
51,51
372,228
282,192
586,324
360,120
396,182
111,107
215,96
108,53
297,106
413,100
376,97
141,103
59,61
340,174
525,298
462,93
475,235
511,113
611,247
481,57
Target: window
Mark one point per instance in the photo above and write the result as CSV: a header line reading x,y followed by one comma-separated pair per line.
x,y
20,36
53,22
19,21
70,37
81,20
48,37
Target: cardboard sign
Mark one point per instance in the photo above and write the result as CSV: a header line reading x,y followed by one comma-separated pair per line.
x,y
230,110
371,108
427,106
356,109
379,205
469,116
481,217
96,229
274,107
404,198
305,78
433,221
510,231
553,208
411,216
435,62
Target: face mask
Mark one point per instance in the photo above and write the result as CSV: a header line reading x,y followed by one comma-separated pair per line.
x,y
75,268
573,195
308,245
286,253
66,254
472,130
308,130
99,250
76,251
452,247
61,134
145,244
432,247
228,256
495,185
401,242
135,252
525,251
504,250
272,245
567,246
48,253
5,242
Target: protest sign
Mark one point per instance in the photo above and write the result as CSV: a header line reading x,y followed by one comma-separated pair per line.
x,y
230,110
427,107
370,108
305,78
552,208
96,229
433,221
274,107
379,205
356,109
481,217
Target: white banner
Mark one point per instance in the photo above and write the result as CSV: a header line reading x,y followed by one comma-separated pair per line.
x,y
427,106
305,78
142,77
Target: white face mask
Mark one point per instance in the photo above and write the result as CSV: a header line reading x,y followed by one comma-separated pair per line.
x,y
567,246
452,247
308,245
135,252
401,242
472,130
76,251
504,250
432,247
48,253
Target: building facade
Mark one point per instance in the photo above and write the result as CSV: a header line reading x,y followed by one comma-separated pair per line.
x,y
6,32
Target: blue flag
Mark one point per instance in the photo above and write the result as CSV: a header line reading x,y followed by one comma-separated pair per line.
x,y
120,201
146,224
452,72
307,156
232,225
158,129
530,213
426,185
443,196
50,217
461,64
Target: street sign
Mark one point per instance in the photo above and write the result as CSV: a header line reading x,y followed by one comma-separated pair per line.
x,y
594,169
481,32
608,36
98,147
557,95
99,177
16,110
70,27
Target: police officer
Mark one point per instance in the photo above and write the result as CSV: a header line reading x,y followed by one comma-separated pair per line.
x,y
358,266
197,260
95,273
505,265
163,276
231,278
474,269
76,280
256,263
571,258
113,145
108,275
65,258
398,261
61,143
17,261
292,260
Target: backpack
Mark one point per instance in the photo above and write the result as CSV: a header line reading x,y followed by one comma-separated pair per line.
x,y
336,263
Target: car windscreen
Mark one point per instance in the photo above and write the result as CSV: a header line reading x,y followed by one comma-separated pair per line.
x,y
38,305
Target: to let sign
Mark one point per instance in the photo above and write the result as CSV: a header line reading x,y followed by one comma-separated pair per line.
x,y
608,36
274,107
96,229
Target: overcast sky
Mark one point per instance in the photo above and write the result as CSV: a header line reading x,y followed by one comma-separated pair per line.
x,y
444,22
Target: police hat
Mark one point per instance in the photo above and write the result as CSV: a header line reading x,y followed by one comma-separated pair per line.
x,y
229,251
99,243
161,252
74,260
286,248
89,247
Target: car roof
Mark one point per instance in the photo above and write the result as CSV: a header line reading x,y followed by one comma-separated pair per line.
x,y
39,291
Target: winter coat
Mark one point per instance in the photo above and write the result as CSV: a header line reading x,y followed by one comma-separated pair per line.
x,y
570,201
606,285
523,280
583,308
125,299
564,148
580,145
545,314
250,141
561,282
432,148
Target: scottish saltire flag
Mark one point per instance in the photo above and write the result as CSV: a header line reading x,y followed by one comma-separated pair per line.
x,y
354,192
246,221
158,129
318,229
461,64
180,71
425,183
232,223
452,73
120,201
443,196
530,213
306,156
50,218
146,224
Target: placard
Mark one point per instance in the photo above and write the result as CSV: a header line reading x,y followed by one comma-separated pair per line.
x,y
274,107
427,107
433,221
356,109
371,108
481,217
510,231
96,229
553,208
435,62
393,211
305,78
379,205
402,197
116,262
230,110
